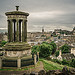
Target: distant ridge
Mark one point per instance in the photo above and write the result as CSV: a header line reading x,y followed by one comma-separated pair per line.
x,y
3,30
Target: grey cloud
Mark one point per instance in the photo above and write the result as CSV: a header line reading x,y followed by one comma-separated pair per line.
x,y
33,6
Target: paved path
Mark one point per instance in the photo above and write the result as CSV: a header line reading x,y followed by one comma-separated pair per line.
x,y
36,69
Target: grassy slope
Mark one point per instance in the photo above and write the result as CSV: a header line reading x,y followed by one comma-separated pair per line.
x,y
49,65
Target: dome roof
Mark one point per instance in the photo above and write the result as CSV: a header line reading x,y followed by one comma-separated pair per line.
x,y
16,12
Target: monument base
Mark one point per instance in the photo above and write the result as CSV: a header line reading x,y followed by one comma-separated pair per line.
x,y
17,62
17,49
17,54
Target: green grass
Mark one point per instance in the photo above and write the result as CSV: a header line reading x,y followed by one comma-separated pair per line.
x,y
49,65
14,69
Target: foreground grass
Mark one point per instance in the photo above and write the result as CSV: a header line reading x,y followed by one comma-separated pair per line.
x,y
49,65
14,69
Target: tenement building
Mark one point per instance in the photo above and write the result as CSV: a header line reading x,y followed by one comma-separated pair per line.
x,y
17,52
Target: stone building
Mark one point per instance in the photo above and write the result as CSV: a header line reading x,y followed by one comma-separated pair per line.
x,y
69,39
67,56
73,50
5,38
38,36
73,31
43,30
17,52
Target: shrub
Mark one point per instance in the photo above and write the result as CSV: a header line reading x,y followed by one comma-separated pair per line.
x,y
35,49
56,61
3,43
54,47
72,63
45,42
45,50
57,53
65,62
48,58
65,48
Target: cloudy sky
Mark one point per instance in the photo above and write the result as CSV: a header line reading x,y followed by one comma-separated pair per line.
x,y
50,14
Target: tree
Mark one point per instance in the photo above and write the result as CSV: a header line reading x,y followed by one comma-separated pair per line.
x,y
45,50
58,37
65,62
3,43
35,49
54,47
72,63
65,48
57,53
45,42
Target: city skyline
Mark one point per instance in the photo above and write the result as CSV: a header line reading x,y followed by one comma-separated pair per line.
x,y
56,14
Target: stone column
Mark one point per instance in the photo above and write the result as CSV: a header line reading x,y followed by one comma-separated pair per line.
x,y
24,31
34,59
19,30
0,63
38,55
60,53
10,31
17,33
14,30
19,62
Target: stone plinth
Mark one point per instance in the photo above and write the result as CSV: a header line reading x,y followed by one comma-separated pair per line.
x,y
34,59
0,63
17,53
17,49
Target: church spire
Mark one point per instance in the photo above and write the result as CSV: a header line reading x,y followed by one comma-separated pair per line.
x,y
43,29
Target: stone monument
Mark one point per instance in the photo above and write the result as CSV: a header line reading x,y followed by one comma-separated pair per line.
x,y
17,52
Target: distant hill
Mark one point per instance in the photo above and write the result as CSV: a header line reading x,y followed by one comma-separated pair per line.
x,y
3,30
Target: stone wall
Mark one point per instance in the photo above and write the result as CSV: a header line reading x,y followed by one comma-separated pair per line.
x,y
73,51
17,53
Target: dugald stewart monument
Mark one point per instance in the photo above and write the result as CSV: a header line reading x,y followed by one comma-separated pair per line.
x,y
17,52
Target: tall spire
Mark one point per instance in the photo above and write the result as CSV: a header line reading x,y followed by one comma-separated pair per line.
x,y
43,29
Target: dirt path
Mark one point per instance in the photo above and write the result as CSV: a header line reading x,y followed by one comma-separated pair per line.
x,y
38,68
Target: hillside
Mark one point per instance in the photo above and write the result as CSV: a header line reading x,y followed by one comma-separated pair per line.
x,y
49,65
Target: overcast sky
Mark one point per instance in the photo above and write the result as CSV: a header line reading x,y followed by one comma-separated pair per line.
x,y
50,14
